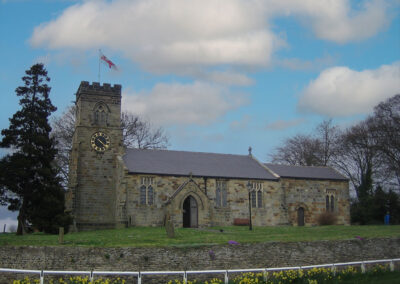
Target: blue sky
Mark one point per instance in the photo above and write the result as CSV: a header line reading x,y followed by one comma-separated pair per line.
x,y
219,76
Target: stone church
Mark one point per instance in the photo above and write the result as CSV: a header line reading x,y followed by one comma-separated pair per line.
x,y
110,186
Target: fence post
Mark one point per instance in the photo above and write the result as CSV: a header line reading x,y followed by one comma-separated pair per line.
x,y
265,274
139,278
91,276
41,277
184,277
61,235
363,267
392,265
226,277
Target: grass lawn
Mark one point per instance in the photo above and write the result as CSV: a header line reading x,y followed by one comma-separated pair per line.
x,y
185,237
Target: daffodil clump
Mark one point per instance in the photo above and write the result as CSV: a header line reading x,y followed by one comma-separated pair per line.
x,y
300,276
71,280
180,282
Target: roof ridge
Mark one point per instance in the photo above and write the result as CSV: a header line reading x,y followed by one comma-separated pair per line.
x,y
161,161
300,166
266,168
182,151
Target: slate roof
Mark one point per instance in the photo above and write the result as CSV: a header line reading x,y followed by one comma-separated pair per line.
x,y
303,172
181,163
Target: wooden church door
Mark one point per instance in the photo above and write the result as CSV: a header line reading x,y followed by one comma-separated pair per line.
x,y
300,216
190,212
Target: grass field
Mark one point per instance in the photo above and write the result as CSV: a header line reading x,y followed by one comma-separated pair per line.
x,y
185,237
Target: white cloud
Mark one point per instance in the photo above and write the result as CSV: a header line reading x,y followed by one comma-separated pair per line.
x,y
8,218
183,104
284,124
337,25
336,20
299,64
217,137
228,78
45,59
241,124
165,35
10,223
340,91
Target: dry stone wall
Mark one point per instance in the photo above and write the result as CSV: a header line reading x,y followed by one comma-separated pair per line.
x,y
271,254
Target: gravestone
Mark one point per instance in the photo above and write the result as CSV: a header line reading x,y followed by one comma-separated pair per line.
x,y
169,226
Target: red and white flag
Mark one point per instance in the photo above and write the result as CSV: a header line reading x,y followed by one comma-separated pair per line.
x,y
107,61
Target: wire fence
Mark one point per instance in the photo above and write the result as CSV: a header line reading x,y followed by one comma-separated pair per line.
x,y
184,274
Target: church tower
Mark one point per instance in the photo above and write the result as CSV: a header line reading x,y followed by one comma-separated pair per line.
x,y
96,146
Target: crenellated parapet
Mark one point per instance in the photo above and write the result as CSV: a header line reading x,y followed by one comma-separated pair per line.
x,y
97,89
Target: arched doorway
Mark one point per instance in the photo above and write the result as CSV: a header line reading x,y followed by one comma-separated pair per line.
x,y
190,212
300,216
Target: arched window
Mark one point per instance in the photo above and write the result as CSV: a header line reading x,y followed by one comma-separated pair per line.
x,y
100,114
147,191
224,201
218,197
330,200
253,199
259,199
327,203
221,194
150,195
256,194
143,195
300,216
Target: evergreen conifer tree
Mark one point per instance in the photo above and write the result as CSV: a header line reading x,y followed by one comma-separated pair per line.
x,y
28,179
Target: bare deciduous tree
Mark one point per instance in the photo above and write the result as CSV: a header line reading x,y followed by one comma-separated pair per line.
x,y
328,134
299,150
357,156
311,150
141,134
63,130
385,126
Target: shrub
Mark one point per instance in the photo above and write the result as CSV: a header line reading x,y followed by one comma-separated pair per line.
x,y
327,218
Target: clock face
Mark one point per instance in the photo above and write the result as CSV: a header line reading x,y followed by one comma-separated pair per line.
x,y
100,141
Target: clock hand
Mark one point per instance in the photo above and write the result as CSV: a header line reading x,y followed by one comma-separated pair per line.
x,y
102,143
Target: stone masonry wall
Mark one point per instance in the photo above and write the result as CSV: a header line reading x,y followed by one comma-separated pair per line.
x,y
92,185
280,201
204,191
262,255
310,195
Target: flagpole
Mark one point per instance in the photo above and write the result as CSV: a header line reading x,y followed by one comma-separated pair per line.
x,y
99,64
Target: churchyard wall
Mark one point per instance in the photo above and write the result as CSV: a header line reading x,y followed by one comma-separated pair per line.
x,y
240,256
